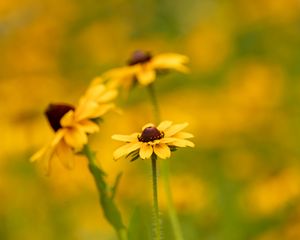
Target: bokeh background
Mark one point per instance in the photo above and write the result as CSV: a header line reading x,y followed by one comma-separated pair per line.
x,y
242,100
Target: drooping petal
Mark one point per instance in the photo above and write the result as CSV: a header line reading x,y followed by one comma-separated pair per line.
x,y
145,75
75,137
65,154
126,149
126,138
146,151
39,154
57,137
183,135
162,151
88,126
182,143
109,95
94,92
164,125
68,119
96,81
86,109
169,132
170,61
101,109
45,156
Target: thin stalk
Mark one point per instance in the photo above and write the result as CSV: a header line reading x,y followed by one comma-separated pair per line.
x,y
155,200
154,102
165,173
110,210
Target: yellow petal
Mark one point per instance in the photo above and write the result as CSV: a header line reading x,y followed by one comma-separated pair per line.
x,y
94,92
109,95
57,137
183,135
45,156
182,143
65,155
145,151
174,129
164,125
39,154
101,109
146,75
67,119
162,151
126,138
88,126
85,109
126,149
96,81
76,138
167,140
170,61
120,72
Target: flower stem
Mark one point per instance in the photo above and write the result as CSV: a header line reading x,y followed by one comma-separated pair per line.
x,y
110,210
154,102
155,200
165,173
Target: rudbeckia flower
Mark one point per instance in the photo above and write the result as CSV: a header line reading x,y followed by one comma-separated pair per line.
x,y
160,140
142,67
72,125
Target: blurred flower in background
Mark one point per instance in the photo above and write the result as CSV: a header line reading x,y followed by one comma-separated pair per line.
x,y
241,100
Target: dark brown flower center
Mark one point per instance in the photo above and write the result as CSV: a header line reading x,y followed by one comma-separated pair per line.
x,y
139,57
55,112
150,134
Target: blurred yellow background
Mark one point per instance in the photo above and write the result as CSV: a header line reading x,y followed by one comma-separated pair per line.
x,y
242,100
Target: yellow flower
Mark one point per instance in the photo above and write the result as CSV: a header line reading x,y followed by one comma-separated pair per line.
x,y
160,140
142,67
72,125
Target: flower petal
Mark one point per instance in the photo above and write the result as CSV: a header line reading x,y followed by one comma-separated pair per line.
x,y
126,138
101,109
126,149
164,125
45,156
162,151
75,137
109,95
85,109
182,143
65,154
174,129
170,61
88,126
94,92
167,140
146,151
39,154
183,135
145,75
67,119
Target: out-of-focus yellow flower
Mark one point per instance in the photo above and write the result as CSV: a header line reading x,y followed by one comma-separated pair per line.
x,y
142,67
72,125
160,140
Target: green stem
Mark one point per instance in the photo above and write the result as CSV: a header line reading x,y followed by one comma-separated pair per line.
x,y
165,173
155,199
154,102
110,210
